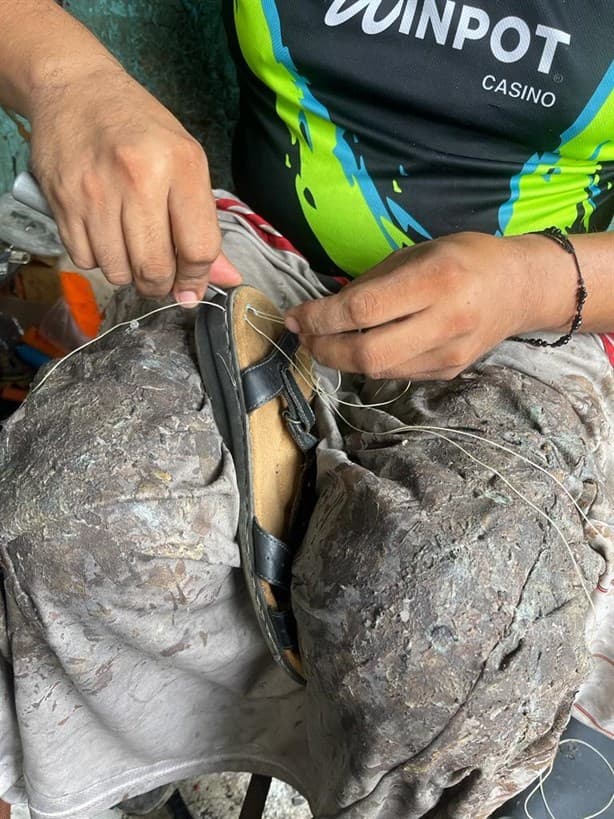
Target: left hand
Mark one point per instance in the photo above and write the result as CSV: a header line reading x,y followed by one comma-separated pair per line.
x,y
429,311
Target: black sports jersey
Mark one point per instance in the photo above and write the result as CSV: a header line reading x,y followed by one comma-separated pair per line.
x,y
367,125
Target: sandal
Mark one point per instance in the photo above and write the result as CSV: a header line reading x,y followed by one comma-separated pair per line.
x,y
261,404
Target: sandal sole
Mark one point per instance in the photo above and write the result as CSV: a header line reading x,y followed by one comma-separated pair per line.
x,y
267,461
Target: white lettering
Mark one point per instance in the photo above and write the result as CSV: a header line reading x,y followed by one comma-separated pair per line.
x,y
553,37
372,26
516,90
465,31
551,99
408,16
439,23
335,16
510,38
496,39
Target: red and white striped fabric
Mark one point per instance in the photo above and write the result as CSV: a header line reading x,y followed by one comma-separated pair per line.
x,y
608,343
264,230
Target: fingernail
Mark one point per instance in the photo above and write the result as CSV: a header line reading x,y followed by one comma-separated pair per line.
x,y
187,297
292,324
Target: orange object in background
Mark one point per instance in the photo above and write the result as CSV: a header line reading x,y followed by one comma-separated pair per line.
x,y
79,296
33,338
16,394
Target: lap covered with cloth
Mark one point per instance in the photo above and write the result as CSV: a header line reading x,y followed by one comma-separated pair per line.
x,y
440,591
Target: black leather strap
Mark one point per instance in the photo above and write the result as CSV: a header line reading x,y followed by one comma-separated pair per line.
x,y
272,558
273,376
299,416
284,624
262,381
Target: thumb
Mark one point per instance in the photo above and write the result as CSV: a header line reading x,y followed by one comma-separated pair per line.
x,y
223,273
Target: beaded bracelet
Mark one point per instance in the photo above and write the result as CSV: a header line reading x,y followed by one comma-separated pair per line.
x,y
561,239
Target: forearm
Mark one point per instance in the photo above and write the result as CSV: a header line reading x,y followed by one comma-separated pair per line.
x,y
43,48
128,186
553,281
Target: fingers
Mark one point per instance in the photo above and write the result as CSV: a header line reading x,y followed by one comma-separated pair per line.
x,y
99,243
149,246
377,350
136,242
130,188
361,305
139,241
73,234
151,224
224,273
129,243
418,347
440,364
195,231
109,250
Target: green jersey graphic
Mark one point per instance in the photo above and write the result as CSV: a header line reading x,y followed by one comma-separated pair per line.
x,y
368,126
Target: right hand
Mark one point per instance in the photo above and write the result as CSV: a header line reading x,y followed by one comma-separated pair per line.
x,y
128,186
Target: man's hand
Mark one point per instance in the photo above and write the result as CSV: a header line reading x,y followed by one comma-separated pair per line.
x,y
429,311
128,186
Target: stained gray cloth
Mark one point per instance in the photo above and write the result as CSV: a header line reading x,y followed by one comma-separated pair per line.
x,y
445,634
440,615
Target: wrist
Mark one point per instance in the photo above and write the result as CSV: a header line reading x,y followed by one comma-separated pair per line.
x,y
550,284
57,81
44,49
